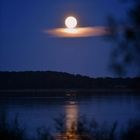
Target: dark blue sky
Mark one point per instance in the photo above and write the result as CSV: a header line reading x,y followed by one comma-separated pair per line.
x,y
24,46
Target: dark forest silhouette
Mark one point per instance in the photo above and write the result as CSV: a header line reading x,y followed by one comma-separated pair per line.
x,y
60,80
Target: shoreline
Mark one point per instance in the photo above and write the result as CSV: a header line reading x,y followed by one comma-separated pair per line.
x,y
68,90
66,93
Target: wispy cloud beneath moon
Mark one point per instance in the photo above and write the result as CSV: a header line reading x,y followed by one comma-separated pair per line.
x,y
77,32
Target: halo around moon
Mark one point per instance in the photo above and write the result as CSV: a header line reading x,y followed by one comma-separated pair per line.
x,y
72,31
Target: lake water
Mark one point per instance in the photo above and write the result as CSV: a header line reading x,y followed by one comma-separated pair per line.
x,y
41,112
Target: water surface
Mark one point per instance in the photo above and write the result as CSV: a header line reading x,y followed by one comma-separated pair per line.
x,y
40,112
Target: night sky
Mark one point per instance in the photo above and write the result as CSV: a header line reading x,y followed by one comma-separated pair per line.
x,y
25,47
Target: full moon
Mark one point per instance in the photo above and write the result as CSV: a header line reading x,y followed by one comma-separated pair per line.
x,y
71,22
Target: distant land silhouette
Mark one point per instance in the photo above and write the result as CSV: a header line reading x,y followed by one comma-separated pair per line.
x,y
61,80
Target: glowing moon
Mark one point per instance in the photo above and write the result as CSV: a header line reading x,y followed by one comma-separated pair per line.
x,y
72,30
71,22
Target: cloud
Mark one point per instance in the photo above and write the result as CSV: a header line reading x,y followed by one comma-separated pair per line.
x,y
78,32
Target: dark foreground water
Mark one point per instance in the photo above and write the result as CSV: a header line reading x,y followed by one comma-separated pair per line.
x,y
41,112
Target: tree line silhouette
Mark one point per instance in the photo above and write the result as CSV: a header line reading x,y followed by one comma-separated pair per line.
x,y
61,80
